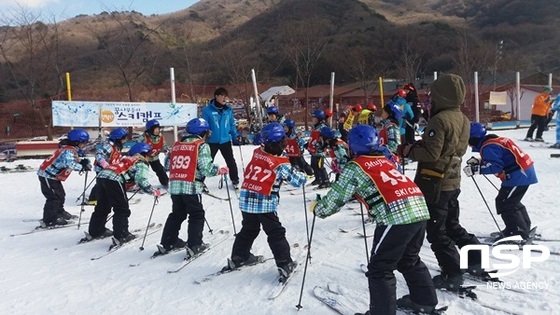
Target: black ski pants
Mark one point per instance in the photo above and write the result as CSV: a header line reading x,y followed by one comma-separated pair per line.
x,y
318,166
398,247
112,195
537,122
160,172
183,206
445,233
250,229
226,150
513,212
301,165
54,192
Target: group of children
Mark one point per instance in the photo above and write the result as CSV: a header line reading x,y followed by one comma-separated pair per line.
x,y
365,167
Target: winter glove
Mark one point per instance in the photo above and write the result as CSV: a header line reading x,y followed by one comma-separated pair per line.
x,y
103,163
86,165
236,141
156,193
471,170
473,161
223,170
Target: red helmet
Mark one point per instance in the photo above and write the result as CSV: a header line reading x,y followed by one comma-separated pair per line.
x,y
328,113
357,108
401,93
372,107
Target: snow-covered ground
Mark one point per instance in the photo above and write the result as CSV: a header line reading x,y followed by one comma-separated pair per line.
x,y
48,273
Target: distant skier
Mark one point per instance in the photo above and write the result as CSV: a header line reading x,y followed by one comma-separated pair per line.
x,y
294,148
501,156
154,137
56,169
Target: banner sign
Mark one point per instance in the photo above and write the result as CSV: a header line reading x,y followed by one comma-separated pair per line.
x,y
120,114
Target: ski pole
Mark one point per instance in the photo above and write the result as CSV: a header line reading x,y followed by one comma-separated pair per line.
x,y
307,259
487,206
242,162
490,181
364,229
83,200
134,194
209,228
149,220
230,206
305,209
86,187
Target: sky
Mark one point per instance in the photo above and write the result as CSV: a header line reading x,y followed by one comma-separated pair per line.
x,y
49,273
65,9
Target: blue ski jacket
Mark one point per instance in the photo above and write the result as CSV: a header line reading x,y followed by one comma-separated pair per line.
x,y
221,123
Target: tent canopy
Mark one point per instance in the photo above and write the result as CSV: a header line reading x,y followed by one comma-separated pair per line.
x,y
276,90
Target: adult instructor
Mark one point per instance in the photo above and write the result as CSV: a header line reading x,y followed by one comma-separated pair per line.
x,y
222,124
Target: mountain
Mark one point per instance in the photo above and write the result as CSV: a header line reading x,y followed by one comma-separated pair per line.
x,y
286,41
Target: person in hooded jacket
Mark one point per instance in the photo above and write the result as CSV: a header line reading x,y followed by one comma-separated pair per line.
x,y
438,175
56,169
223,131
514,167
155,139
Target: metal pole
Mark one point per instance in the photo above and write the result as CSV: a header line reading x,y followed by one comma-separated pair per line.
x,y
257,100
364,229
83,200
331,99
476,104
149,220
173,100
487,206
230,206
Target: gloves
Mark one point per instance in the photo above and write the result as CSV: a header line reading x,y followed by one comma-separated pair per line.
x,y
86,166
473,161
471,170
156,193
236,141
103,163
223,170
312,206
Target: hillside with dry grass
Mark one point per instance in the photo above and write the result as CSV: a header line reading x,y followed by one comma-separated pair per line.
x,y
286,41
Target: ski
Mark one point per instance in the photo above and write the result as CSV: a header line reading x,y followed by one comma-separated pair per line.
x,y
337,302
116,245
190,258
363,267
463,292
209,194
227,269
280,283
18,169
88,238
42,228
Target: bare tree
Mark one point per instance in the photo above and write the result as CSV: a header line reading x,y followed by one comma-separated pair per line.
x,y
303,43
360,65
411,59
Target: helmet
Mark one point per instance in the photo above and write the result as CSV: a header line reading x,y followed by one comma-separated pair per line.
x,y
478,130
152,124
197,126
273,132
395,109
371,107
401,93
290,123
141,148
357,108
363,139
78,135
118,134
272,110
327,133
328,113
319,114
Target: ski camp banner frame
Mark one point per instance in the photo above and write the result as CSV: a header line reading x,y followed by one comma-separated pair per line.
x,y
120,114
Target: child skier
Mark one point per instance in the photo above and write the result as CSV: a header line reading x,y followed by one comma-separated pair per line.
x,y
390,135
314,147
258,201
112,183
56,169
401,223
501,156
107,153
337,150
154,138
294,148
190,162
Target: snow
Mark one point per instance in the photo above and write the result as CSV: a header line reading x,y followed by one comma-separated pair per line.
x,y
48,273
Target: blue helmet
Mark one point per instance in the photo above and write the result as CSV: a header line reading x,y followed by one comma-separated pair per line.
x,y
396,109
478,130
272,110
141,148
152,124
319,114
327,133
78,135
273,132
290,123
118,134
363,139
197,126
